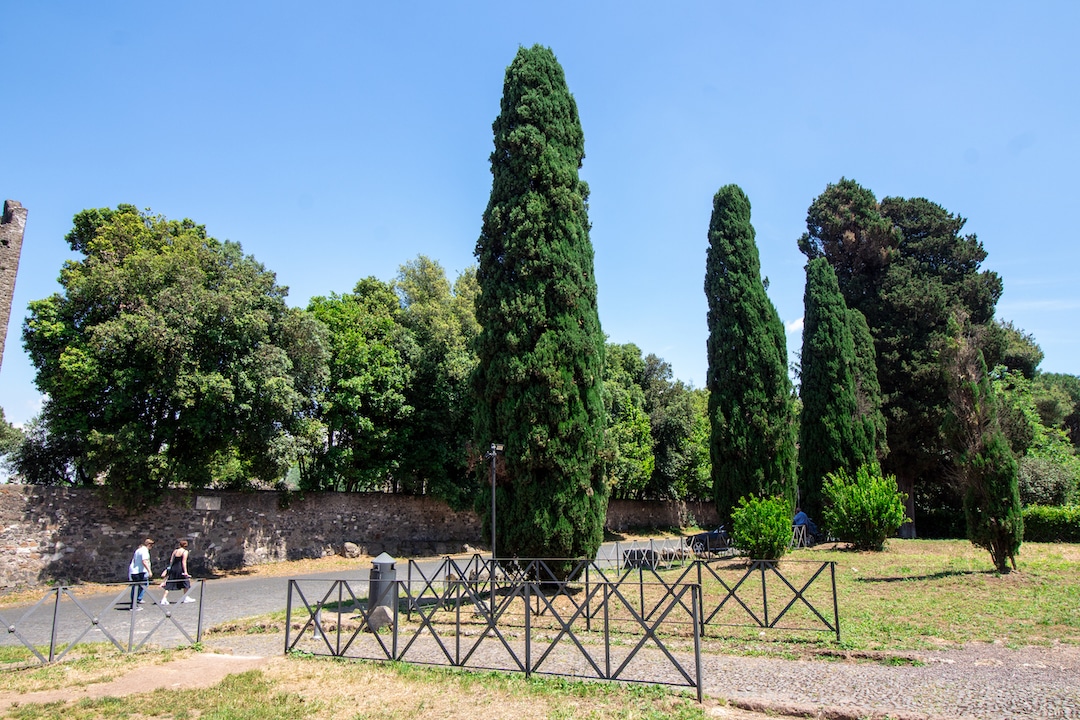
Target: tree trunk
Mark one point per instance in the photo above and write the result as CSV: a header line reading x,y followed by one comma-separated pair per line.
x,y
906,484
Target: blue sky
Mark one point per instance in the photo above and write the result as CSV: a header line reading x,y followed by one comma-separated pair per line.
x,y
338,140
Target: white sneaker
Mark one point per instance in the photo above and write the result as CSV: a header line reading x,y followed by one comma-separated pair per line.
x,y
187,599
164,602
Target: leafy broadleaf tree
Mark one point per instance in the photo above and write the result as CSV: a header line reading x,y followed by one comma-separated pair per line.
x,y
170,358
832,435
365,410
678,423
539,381
1059,403
442,319
750,404
10,436
628,430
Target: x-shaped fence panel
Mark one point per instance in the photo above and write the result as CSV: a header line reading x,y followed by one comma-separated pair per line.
x,y
451,617
68,615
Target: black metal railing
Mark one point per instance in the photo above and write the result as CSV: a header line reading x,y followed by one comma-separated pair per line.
x,y
584,618
525,626
67,615
781,595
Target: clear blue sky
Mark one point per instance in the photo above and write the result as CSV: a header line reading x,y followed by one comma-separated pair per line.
x,y
338,140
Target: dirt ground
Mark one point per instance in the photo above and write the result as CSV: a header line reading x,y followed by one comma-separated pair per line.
x,y
207,669
203,670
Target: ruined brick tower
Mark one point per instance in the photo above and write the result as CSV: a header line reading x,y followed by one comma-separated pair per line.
x,y
11,236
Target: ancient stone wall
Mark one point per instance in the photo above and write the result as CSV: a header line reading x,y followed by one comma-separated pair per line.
x,y
624,515
63,534
12,226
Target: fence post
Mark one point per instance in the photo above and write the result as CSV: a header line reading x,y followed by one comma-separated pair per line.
x,y
337,635
288,614
131,625
528,630
397,616
641,588
695,594
835,601
764,592
202,596
607,632
697,562
55,615
588,610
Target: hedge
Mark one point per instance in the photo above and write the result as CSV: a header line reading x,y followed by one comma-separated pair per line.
x,y
1052,524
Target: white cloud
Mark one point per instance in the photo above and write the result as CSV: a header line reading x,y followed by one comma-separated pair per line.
x,y
795,326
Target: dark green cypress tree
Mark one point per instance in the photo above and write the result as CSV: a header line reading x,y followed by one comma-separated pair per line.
x,y
539,381
868,398
831,434
750,403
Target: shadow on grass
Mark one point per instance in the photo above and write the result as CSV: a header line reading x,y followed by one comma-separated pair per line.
x,y
931,576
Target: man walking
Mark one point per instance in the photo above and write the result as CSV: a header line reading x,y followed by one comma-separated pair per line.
x,y
139,572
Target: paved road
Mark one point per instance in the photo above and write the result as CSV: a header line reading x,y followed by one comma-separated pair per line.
x,y
90,617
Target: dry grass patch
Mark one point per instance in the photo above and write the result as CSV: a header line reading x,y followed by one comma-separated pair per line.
x,y
85,665
298,688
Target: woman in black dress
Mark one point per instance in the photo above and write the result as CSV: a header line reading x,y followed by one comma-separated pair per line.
x,y
176,574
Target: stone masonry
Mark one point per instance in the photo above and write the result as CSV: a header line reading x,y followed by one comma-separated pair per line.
x,y
12,227
50,534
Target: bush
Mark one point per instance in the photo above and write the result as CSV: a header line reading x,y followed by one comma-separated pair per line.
x,y
863,510
1045,482
1052,524
761,527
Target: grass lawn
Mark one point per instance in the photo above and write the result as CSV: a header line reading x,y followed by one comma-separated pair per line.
x,y
926,593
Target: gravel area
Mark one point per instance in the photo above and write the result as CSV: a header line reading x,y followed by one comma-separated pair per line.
x,y
988,682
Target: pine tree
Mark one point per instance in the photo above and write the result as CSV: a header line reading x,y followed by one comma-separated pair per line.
x,y
831,433
750,404
539,381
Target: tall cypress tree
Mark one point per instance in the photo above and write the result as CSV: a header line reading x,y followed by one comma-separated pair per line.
x,y
750,404
868,398
831,434
539,381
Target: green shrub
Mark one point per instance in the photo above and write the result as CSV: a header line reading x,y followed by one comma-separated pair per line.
x,y
863,510
1045,482
761,527
1052,524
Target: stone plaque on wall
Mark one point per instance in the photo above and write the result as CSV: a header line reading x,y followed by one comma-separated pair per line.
x,y
203,502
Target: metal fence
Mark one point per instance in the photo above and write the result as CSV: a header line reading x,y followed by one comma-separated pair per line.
x,y
780,595
528,627
68,615
638,619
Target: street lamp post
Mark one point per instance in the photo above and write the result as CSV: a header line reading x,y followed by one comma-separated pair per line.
x,y
493,453
495,450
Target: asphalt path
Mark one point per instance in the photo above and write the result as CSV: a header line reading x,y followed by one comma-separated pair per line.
x,y
105,614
